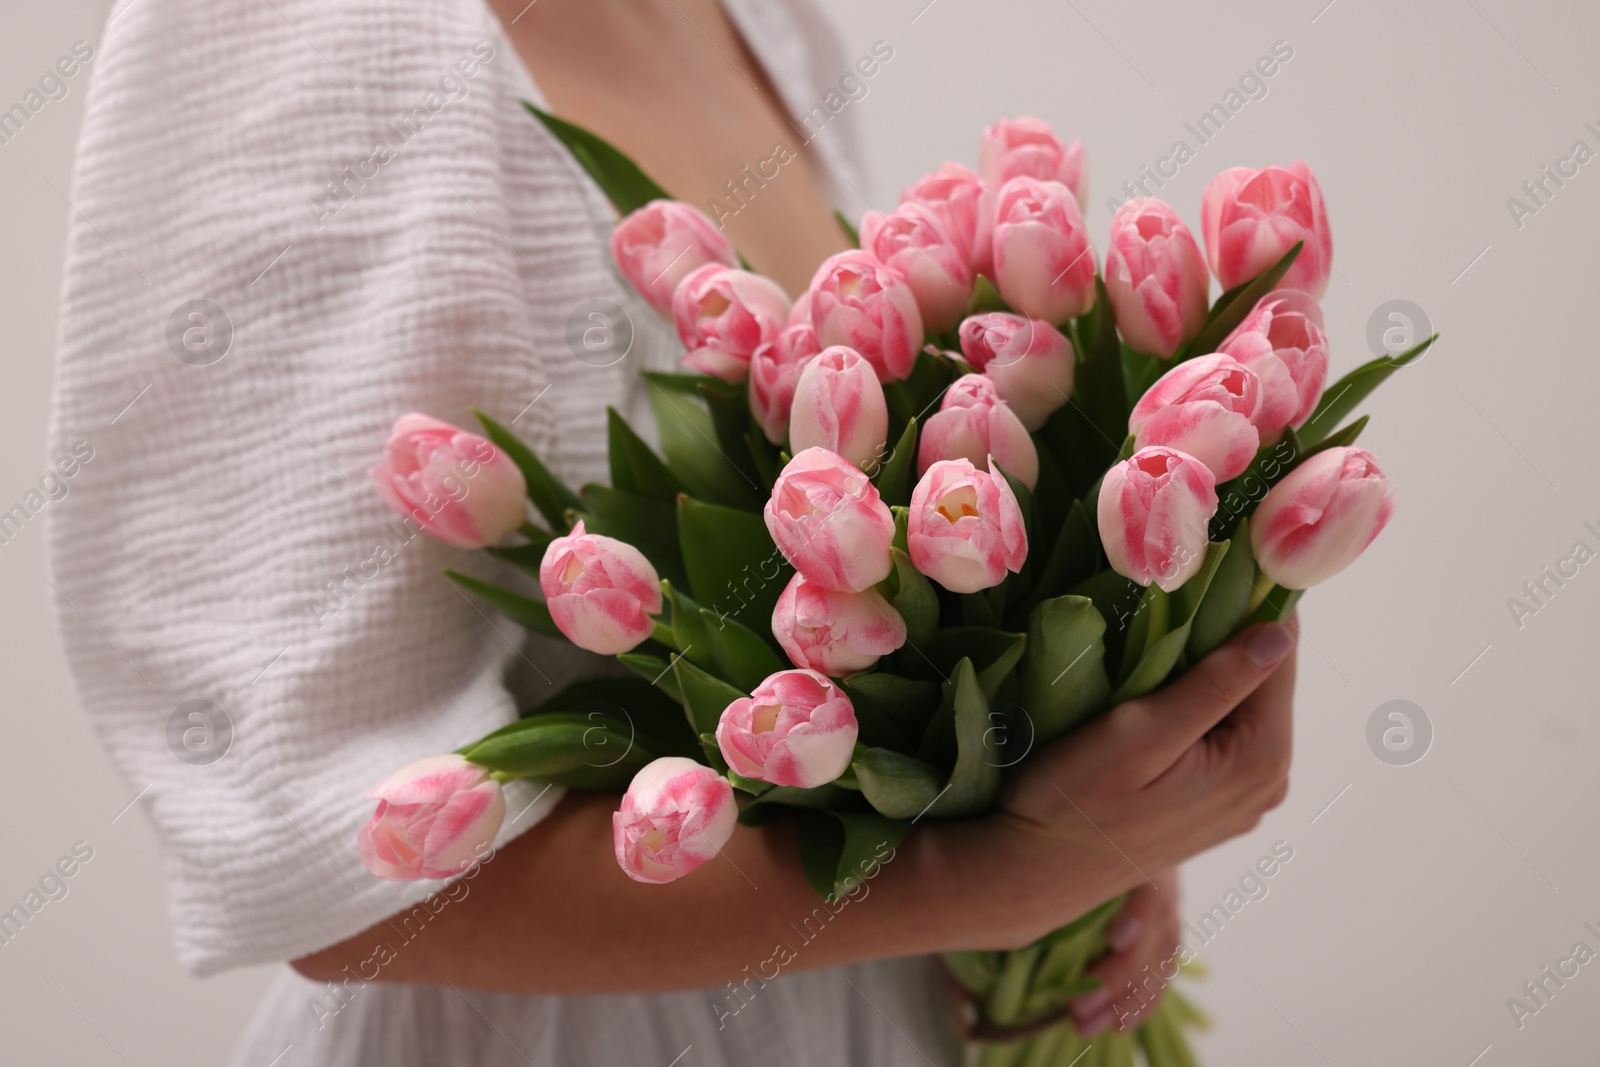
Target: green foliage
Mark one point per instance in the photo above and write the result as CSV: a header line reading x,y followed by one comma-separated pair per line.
x,y
625,185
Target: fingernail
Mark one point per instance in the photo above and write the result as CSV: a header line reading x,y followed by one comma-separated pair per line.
x,y
1268,645
1094,1026
1124,932
1092,1005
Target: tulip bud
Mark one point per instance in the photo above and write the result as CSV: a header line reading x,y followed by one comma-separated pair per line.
x,y
456,485
1250,218
435,819
966,207
858,302
1281,340
1028,148
676,815
774,371
796,729
601,592
835,633
1204,407
965,529
1154,511
723,316
1043,263
973,423
1155,278
1324,514
1029,361
913,242
658,245
839,406
830,524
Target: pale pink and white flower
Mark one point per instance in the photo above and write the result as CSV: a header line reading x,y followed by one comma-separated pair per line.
x,y
913,241
858,302
1250,218
796,729
1281,340
965,528
1044,265
1206,407
966,207
974,424
456,485
829,522
1030,362
1154,510
676,815
435,819
1324,514
661,243
1155,278
601,592
774,372
839,405
835,633
723,315
1029,148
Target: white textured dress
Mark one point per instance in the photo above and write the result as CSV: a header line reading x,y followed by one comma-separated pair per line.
x,y
294,220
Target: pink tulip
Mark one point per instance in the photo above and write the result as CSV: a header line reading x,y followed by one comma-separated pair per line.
x,y
676,815
1324,514
913,241
835,633
1028,148
965,528
1282,341
1250,218
1154,510
796,729
601,592
724,315
435,819
1204,407
658,245
966,207
774,371
839,405
454,484
858,302
1043,263
829,523
973,423
1029,361
1155,278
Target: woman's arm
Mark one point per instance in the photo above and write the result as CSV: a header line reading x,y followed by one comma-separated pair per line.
x,y
1138,790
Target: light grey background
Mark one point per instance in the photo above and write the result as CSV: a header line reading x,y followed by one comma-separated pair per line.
x,y
1419,897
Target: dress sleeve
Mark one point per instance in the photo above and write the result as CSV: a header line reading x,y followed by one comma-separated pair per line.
x,y
292,222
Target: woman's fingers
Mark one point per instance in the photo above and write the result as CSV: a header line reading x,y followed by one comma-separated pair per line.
x,y
1160,727
1138,963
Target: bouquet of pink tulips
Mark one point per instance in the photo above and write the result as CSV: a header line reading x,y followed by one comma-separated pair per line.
x,y
965,493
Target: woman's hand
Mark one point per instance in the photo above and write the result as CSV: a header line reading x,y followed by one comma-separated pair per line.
x,y
1134,793
1143,940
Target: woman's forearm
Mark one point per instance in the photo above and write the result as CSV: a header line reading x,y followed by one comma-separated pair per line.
x,y
551,913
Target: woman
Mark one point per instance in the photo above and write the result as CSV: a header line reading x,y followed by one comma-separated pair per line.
x,y
296,220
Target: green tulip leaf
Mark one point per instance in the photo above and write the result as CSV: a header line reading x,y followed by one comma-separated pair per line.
x,y
548,493
1232,306
1063,674
1341,398
620,178
525,611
